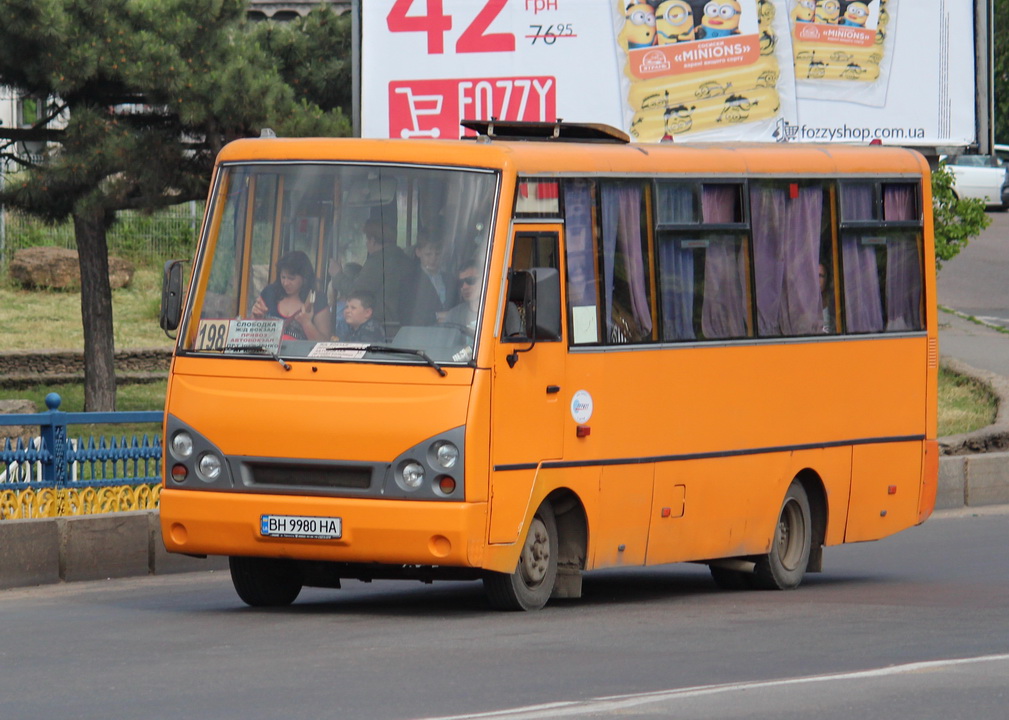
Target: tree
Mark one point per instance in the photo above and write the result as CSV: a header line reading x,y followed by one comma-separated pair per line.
x,y
955,220
314,54
139,96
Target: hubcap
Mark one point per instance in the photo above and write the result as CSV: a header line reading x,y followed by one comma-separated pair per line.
x,y
791,535
535,554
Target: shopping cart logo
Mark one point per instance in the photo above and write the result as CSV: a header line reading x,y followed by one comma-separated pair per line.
x,y
434,108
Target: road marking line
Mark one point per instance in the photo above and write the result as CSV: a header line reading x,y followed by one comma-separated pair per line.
x,y
619,702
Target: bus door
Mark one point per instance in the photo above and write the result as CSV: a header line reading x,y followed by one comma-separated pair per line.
x,y
528,385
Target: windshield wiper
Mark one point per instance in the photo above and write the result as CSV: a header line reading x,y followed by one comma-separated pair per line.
x,y
407,351
262,350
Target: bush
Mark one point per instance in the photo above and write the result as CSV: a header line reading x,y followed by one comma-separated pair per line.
x,y
956,220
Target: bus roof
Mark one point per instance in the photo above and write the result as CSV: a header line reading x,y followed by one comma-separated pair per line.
x,y
577,158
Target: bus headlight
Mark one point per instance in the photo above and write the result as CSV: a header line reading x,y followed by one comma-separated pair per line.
x,y
182,445
209,467
446,454
412,474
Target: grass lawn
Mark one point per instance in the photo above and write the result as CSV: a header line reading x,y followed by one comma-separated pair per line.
x,y
43,320
964,404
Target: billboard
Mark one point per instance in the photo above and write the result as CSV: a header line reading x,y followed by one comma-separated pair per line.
x,y
666,70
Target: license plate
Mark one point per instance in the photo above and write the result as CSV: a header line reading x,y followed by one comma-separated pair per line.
x,y
301,526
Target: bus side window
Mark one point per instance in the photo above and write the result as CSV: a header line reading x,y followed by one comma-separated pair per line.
x,y
627,292
786,221
703,272
882,264
535,261
580,261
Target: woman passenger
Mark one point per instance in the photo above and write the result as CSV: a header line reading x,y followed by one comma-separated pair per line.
x,y
292,298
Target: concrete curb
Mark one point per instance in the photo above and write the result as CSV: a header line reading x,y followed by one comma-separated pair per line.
x,y
90,547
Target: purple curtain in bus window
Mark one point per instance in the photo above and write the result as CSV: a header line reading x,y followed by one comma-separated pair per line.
x,y
621,206
578,241
903,264
724,312
786,247
863,306
677,265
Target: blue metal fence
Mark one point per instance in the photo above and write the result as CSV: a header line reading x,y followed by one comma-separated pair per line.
x,y
51,460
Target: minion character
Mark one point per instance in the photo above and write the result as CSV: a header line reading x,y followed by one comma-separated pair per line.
x,y
856,14
639,26
804,11
674,22
828,11
737,109
765,12
721,18
711,89
677,120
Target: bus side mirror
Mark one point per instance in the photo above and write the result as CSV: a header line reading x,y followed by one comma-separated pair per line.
x,y
533,310
547,306
171,296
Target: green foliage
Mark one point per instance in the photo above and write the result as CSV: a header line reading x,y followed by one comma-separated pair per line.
x,y
956,220
314,56
143,93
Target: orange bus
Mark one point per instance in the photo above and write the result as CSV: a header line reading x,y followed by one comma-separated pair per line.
x,y
547,350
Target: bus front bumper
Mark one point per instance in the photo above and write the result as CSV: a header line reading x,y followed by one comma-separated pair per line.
x,y
394,532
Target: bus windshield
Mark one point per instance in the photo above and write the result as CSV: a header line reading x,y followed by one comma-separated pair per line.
x,y
342,261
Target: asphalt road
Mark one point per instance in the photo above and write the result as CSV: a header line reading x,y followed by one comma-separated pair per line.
x,y
976,282
914,626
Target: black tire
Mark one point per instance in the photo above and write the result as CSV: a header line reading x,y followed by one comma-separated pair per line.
x,y
265,582
784,567
532,583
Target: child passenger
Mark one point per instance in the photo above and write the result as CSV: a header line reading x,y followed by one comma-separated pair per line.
x,y
357,314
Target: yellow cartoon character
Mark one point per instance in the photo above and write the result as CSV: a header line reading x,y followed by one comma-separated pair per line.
x,y
639,26
721,18
856,14
828,11
674,22
804,11
676,120
737,109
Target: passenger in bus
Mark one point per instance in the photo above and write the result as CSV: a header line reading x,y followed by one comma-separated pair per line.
x,y
464,314
431,290
385,272
340,286
826,300
292,298
358,314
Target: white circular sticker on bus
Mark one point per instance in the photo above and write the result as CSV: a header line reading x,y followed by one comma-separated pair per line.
x,y
581,407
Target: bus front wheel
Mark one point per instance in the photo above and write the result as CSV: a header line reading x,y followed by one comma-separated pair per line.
x,y
785,565
265,582
530,586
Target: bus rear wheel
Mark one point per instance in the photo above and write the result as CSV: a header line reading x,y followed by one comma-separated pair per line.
x,y
532,583
785,565
265,582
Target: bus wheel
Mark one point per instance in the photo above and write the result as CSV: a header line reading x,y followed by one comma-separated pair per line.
x,y
265,582
530,586
784,567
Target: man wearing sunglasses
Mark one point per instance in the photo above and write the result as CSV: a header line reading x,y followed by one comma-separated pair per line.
x,y
464,314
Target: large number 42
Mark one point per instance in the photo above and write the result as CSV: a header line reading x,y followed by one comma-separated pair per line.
x,y
435,23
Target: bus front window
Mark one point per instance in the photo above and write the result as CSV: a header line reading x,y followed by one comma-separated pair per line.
x,y
333,261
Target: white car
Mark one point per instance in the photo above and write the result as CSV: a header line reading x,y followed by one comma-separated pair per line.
x,y
983,177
